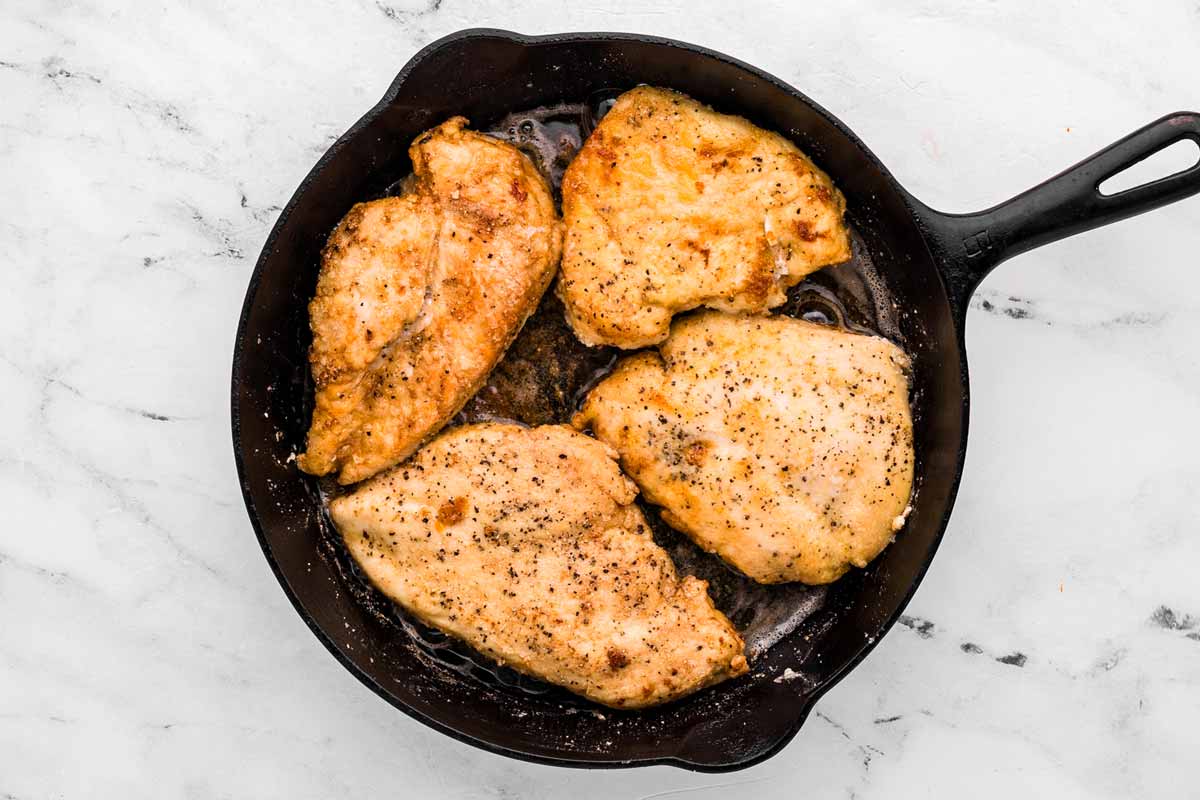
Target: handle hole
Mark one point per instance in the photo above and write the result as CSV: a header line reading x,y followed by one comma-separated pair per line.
x,y
1170,161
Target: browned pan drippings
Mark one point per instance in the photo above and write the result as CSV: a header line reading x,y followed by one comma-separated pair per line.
x,y
546,373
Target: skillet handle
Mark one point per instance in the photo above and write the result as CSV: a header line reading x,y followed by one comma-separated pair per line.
x,y
1069,203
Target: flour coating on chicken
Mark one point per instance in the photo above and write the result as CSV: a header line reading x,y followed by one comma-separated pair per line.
x,y
420,295
783,446
670,206
526,544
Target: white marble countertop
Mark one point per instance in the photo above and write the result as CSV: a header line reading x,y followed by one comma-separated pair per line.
x,y
147,651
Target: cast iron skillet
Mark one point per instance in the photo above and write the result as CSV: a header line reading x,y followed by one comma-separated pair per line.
x,y
930,261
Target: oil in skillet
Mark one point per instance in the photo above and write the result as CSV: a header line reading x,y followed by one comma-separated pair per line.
x,y
547,372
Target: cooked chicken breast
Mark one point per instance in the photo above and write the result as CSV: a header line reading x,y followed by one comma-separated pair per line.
x,y
782,446
670,205
420,295
525,543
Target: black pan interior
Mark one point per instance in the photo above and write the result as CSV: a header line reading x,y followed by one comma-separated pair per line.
x,y
553,84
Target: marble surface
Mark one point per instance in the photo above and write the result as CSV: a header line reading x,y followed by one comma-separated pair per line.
x,y
147,651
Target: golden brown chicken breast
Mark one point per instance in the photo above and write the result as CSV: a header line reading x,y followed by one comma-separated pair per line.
x,y
670,205
525,543
782,446
420,295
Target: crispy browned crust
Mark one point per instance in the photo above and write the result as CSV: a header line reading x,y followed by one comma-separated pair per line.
x,y
420,295
670,206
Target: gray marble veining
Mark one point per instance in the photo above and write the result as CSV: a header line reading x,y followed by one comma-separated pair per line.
x,y
145,648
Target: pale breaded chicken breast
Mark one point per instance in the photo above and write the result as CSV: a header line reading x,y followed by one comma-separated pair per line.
x,y
525,543
420,295
783,446
670,205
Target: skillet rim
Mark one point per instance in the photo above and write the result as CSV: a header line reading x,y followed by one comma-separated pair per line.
x,y
956,308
